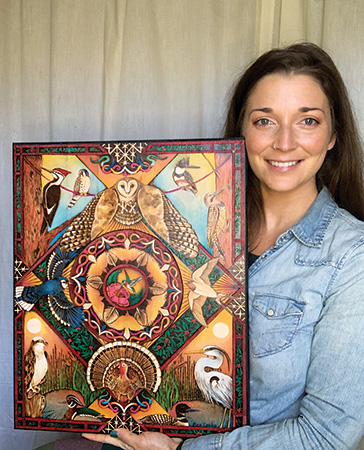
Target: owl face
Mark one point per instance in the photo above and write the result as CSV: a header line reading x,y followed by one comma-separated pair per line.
x,y
127,188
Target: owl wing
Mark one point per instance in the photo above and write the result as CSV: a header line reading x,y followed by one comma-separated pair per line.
x,y
167,221
92,221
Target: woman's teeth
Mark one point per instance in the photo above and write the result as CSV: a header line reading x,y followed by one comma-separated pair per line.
x,y
283,164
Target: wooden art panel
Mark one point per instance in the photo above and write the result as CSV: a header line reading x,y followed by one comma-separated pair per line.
x,y
130,293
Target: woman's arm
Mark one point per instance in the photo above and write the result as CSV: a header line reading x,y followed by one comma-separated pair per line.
x,y
332,409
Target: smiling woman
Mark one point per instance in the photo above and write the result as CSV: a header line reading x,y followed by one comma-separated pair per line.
x,y
287,139
306,279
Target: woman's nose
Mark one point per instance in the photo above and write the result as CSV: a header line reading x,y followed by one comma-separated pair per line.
x,y
285,139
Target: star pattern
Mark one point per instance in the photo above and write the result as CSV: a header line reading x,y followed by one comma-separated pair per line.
x,y
122,421
19,269
237,307
238,270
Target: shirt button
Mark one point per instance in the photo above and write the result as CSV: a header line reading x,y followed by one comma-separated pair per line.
x,y
270,312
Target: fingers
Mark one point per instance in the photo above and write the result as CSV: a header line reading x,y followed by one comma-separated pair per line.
x,y
106,439
127,440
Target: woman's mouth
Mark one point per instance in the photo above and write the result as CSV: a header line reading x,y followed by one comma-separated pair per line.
x,y
283,164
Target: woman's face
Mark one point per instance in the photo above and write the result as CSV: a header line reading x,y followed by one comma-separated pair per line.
x,y
288,131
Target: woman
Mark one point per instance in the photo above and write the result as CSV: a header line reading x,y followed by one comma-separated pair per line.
x,y
305,203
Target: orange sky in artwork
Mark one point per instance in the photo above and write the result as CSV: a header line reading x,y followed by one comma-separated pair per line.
x,y
219,333
35,326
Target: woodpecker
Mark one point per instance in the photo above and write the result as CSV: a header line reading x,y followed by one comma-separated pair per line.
x,y
182,178
216,218
35,366
81,186
51,195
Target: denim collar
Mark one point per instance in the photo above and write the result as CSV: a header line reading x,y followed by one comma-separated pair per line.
x,y
311,229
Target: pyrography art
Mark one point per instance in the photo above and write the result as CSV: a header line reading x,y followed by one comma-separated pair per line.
x,y
129,298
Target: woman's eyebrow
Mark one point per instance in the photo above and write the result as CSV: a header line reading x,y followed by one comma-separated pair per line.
x,y
265,110
308,109
303,109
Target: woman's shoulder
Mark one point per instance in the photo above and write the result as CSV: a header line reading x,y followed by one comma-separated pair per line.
x,y
345,222
345,236
329,234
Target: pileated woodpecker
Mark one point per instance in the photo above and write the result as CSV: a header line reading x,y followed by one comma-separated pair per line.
x,y
51,195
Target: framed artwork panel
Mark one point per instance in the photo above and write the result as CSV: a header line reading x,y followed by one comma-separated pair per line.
x,y
130,286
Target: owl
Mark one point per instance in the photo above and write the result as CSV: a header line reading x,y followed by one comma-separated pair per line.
x,y
124,205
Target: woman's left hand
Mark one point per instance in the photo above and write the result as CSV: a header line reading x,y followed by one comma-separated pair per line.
x,y
130,441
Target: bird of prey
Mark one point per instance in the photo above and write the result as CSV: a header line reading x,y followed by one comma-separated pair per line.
x,y
216,218
51,196
125,204
81,186
53,288
200,290
182,177
35,366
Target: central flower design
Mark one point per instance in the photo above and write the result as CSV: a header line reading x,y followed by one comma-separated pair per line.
x,y
131,283
127,288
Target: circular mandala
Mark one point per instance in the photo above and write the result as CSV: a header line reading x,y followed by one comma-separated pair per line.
x,y
130,284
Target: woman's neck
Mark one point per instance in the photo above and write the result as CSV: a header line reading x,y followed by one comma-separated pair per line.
x,y
281,212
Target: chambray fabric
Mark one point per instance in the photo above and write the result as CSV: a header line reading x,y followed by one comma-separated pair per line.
x,y
306,312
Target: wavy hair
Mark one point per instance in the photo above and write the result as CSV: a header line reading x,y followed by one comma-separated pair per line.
x,y
342,170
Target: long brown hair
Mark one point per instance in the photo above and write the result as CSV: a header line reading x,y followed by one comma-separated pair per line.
x,y
342,170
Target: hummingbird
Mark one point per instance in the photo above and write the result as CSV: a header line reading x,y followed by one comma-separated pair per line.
x,y
182,177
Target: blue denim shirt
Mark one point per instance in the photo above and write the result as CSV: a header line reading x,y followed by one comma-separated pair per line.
x,y
306,305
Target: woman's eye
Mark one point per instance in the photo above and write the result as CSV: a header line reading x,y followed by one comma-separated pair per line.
x,y
262,122
309,121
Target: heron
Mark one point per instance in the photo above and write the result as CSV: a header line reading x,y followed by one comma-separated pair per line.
x,y
214,385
